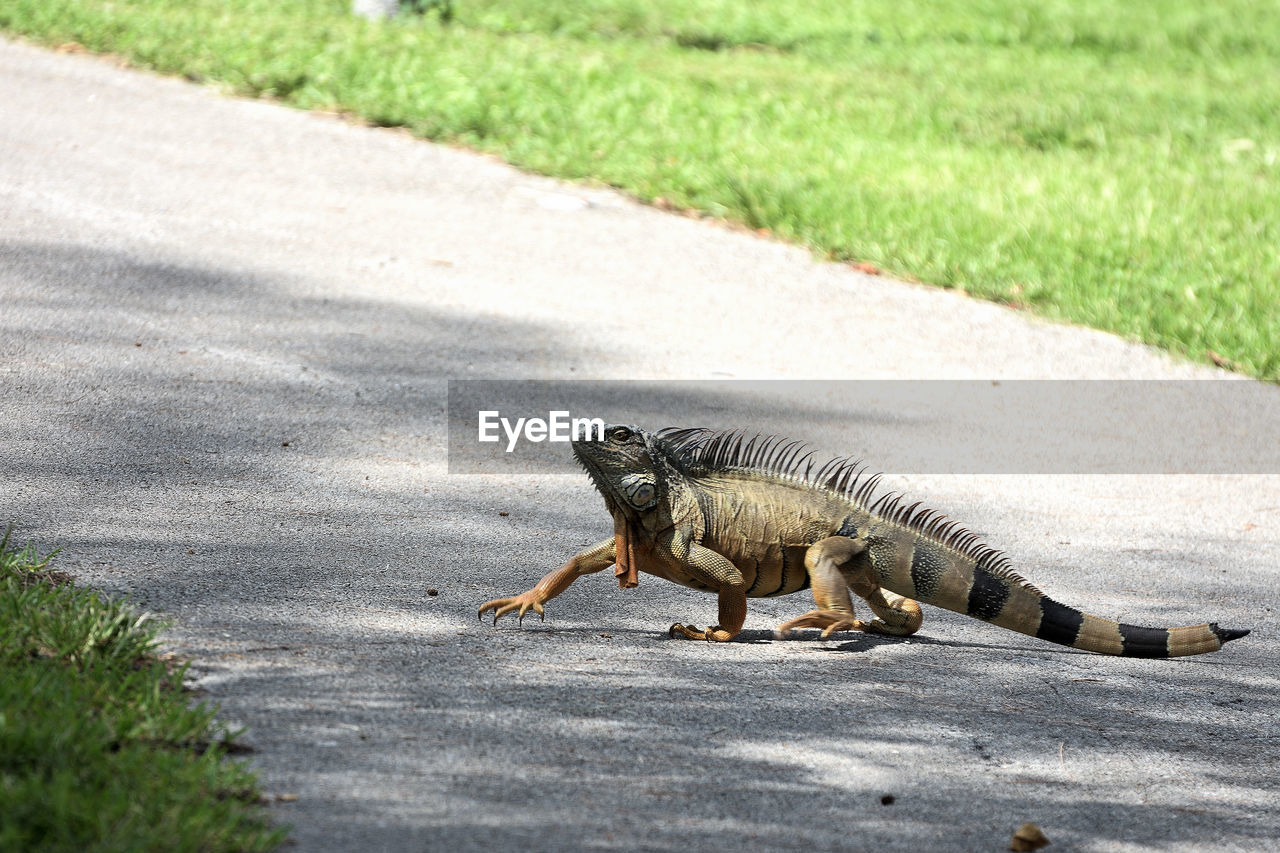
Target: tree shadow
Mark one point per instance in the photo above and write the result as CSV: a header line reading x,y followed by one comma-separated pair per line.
x,y
265,463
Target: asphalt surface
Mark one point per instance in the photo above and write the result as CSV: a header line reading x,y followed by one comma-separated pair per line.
x,y
226,329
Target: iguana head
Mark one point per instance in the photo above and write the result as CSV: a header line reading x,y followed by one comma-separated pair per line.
x,y
631,469
625,467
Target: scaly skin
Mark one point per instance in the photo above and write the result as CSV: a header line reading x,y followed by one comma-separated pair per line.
x,y
749,519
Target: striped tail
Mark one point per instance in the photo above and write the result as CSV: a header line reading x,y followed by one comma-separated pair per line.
x,y
981,584
1031,612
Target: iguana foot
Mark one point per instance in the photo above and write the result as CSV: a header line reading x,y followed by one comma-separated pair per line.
x,y
524,602
876,626
899,616
713,635
829,621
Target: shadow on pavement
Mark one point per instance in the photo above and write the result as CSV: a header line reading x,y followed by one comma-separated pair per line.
x,y
266,463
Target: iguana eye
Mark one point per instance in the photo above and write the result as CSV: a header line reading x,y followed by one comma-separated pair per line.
x,y
620,434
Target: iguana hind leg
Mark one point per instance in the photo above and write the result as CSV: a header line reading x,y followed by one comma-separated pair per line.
x,y
830,590
899,616
596,558
836,565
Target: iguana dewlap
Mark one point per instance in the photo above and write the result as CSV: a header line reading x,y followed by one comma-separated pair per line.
x,y
749,518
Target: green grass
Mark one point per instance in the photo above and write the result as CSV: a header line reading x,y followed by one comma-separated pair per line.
x,y
1114,164
99,748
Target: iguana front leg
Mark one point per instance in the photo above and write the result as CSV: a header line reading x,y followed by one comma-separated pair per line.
x,y
594,559
717,572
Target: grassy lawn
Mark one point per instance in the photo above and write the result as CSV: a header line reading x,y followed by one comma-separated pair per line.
x,y
99,747
1114,164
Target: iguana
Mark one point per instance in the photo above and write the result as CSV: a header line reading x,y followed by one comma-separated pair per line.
x,y
749,517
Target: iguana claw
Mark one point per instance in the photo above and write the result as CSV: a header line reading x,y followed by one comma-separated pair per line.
x,y
711,635
829,621
524,602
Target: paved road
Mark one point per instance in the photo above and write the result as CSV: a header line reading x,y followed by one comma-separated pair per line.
x,y
225,333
